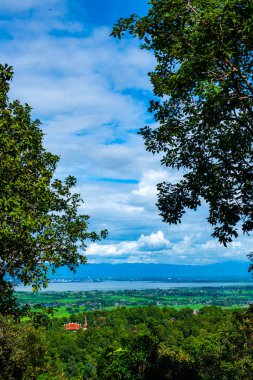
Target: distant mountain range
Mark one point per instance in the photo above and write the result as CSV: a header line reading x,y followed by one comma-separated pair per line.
x,y
230,271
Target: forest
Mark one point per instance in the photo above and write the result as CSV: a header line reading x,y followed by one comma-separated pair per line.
x,y
137,343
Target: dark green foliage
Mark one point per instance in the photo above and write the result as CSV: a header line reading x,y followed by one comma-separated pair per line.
x,y
203,83
39,219
24,353
146,344
140,344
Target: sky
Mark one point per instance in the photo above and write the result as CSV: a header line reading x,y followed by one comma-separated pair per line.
x,y
91,93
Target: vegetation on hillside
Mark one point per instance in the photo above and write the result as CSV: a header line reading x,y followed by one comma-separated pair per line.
x,y
143,343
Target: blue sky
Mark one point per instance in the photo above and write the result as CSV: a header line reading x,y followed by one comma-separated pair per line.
x,y
91,94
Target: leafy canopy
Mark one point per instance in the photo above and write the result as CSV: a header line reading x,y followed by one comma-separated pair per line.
x,y
203,106
40,227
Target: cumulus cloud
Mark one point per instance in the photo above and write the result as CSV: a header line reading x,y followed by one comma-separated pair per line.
x,y
147,187
153,242
156,248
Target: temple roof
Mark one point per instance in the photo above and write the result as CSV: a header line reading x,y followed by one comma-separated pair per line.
x,y
72,326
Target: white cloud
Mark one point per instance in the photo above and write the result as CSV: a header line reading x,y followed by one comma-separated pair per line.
x,y
156,248
152,242
214,245
147,187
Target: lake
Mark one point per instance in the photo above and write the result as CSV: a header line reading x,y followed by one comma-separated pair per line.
x,y
127,285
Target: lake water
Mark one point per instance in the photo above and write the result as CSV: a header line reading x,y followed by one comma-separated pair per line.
x,y
128,285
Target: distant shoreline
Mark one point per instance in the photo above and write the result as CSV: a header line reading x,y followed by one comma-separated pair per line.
x,y
111,285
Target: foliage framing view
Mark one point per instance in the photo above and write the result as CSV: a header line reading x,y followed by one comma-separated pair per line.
x,y
39,219
203,106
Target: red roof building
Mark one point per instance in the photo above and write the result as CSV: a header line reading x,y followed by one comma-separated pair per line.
x,y
76,326
72,326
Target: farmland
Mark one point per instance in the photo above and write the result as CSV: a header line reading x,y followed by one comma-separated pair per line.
x,y
67,303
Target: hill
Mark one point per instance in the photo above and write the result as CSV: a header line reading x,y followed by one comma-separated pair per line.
x,y
219,271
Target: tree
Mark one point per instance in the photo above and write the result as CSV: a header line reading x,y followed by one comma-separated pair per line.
x,y
24,353
40,227
203,106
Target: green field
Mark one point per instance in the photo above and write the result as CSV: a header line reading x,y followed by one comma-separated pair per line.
x,y
67,303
